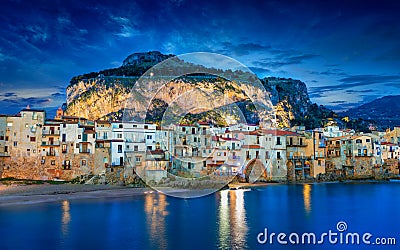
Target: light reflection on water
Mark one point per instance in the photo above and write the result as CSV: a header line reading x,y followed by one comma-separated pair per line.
x,y
66,217
156,210
229,219
307,197
232,220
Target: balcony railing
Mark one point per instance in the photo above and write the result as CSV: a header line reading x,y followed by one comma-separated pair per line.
x,y
296,144
234,157
50,132
296,157
50,143
84,151
50,153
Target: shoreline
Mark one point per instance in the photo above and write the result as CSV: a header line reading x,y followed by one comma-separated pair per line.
x,y
11,195
19,194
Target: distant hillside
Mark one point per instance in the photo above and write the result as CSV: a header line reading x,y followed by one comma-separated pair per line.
x,y
102,94
384,112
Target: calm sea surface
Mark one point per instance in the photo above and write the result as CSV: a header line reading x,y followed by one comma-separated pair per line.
x,y
230,219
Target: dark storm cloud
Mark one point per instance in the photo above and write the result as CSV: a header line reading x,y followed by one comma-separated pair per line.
x,y
62,94
352,91
244,48
280,61
338,102
9,94
359,81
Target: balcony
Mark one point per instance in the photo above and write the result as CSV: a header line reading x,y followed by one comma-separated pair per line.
x,y
288,144
50,153
4,154
296,157
364,155
50,132
84,151
234,157
333,145
50,143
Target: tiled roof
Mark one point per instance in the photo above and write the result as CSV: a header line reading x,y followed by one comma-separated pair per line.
x,y
229,139
252,146
279,132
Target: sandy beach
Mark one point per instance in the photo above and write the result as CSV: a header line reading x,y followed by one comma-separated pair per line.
x,y
30,194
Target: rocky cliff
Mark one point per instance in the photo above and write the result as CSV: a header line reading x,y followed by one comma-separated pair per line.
x,y
103,95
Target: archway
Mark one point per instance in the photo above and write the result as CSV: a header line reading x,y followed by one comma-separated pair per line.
x,y
254,170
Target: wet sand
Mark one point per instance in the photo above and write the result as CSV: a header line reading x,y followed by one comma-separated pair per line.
x,y
30,194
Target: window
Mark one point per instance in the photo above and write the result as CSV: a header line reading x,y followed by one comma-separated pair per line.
x,y
15,144
33,139
64,148
127,146
79,136
77,145
134,126
278,155
135,148
358,141
6,138
94,135
105,135
5,149
119,135
219,154
278,141
368,140
1,137
34,116
120,126
149,148
66,165
319,162
183,129
137,159
83,162
53,162
149,137
64,137
119,148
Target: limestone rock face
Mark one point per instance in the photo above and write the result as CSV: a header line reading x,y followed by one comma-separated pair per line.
x,y
108,92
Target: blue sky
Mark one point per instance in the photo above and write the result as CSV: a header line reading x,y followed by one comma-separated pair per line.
x,y
347,52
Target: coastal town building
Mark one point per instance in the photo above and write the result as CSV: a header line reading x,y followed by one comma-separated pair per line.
x,y
67,147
